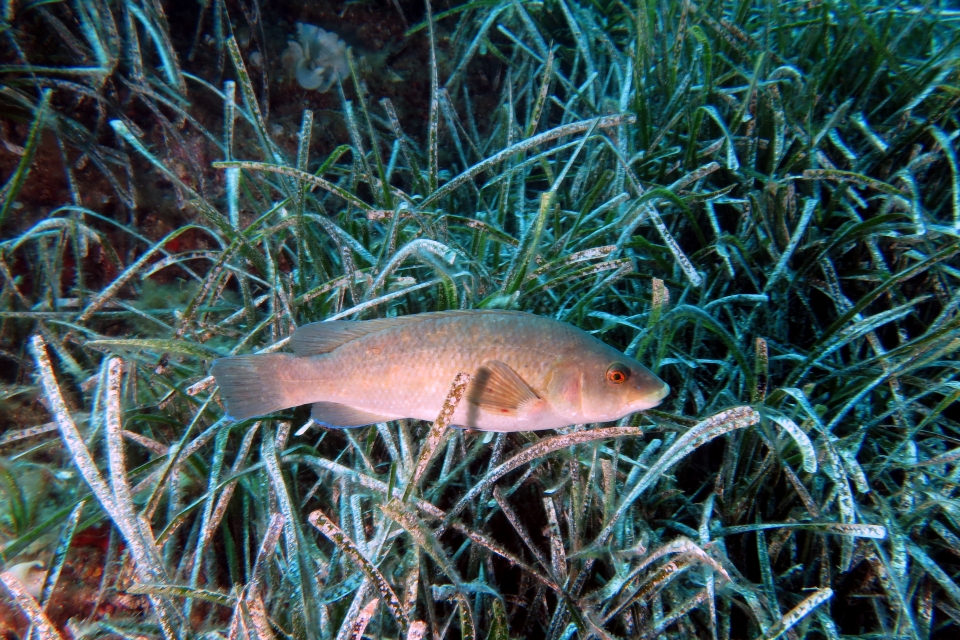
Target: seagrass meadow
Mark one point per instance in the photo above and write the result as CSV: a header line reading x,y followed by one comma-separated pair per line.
x,y
758,200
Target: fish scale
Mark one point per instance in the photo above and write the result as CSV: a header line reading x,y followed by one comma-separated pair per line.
x,y
394,364
530,372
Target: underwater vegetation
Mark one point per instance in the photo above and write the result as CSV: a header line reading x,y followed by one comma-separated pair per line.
x,y
759,201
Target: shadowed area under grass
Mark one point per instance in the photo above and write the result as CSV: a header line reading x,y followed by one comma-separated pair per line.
x,y
760,201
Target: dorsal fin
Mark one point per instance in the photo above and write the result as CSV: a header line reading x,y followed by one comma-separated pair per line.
x,y
323,337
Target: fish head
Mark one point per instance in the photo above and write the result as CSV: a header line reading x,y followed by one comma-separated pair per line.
x,y
603,384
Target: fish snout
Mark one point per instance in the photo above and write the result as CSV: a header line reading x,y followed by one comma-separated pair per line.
x,y
651,391
661,393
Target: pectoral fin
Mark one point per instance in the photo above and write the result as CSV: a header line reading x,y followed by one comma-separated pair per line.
x,y
341,416
497,389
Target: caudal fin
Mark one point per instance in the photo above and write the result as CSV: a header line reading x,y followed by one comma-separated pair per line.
x,y
260,384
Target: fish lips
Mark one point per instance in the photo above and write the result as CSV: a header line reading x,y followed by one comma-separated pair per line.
x,y
651,395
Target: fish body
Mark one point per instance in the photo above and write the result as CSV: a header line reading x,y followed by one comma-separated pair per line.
x,y
529,373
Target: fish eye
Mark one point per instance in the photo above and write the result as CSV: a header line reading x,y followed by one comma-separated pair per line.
x,y
617,373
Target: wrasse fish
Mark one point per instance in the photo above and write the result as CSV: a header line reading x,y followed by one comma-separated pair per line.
x,y
529,373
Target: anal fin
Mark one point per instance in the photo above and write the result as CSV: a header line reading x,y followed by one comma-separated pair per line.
x,y
332,414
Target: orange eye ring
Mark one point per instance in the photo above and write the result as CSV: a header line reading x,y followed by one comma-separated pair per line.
x,y
617,374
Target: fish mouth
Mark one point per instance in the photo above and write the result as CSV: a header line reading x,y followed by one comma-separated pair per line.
x,y
652,398
662,393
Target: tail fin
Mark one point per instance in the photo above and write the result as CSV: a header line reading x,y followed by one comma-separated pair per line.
x,y
260,384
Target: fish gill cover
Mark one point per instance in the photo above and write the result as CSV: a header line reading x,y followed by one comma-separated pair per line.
x,y
758,200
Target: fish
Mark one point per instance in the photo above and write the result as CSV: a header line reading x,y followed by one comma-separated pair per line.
x,y
528,373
